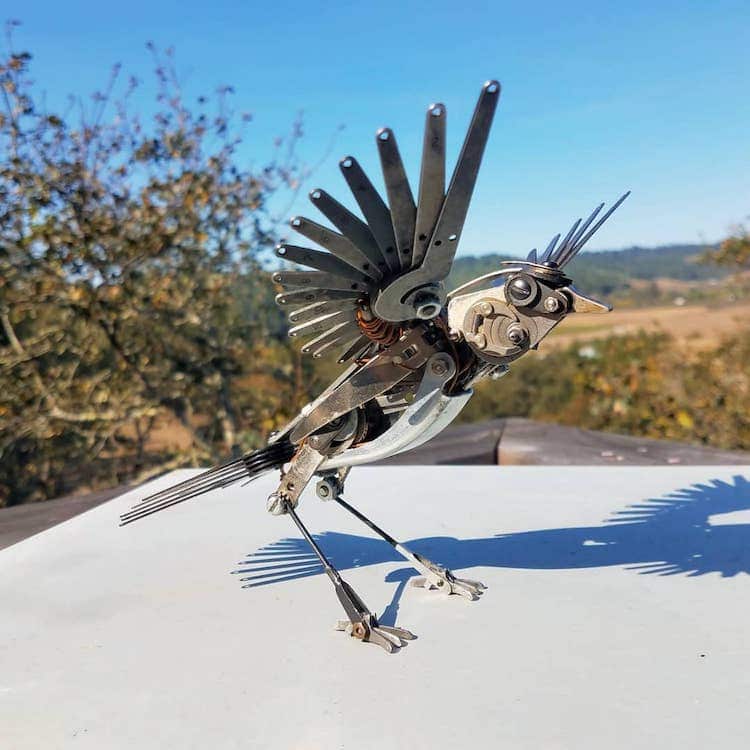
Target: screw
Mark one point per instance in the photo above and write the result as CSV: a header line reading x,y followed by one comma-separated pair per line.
x,y
427,305
439,368
552,304
516,334
521,290
428,311
483,308
328,488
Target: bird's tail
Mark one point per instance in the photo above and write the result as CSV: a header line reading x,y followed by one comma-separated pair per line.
x,y
250,466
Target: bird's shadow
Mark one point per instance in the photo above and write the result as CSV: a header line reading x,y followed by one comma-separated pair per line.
x,y
681,533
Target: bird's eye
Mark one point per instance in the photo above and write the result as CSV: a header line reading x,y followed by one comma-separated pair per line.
x,y
521,290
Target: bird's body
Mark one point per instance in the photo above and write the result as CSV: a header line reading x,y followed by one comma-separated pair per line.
x,y
377,298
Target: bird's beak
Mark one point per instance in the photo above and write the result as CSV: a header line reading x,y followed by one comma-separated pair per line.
x,y
583,304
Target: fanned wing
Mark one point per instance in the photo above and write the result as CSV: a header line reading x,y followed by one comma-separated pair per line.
x,y
330,304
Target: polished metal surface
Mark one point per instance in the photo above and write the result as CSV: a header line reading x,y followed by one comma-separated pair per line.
x,y
325,262
318,280
431,180
316,309
349,225
340,246
400,198
374,210
326,322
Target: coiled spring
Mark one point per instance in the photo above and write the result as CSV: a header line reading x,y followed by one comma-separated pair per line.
x,y
381,331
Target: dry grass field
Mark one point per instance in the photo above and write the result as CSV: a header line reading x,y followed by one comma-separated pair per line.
x,y
694,327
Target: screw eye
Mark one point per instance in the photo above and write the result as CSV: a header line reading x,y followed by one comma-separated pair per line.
x,y
520,289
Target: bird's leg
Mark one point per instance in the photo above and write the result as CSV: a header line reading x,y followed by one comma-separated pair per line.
x,y
362,624
302,467
436,576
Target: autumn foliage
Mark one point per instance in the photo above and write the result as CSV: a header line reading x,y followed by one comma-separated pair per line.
x,y
130,290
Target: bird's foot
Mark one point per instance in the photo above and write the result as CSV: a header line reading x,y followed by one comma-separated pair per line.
x,y
441,579
369,630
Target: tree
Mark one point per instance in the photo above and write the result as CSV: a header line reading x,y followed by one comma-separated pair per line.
x,y
733,252
130,291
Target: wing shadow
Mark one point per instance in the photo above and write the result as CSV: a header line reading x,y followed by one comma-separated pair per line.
x,y
669,535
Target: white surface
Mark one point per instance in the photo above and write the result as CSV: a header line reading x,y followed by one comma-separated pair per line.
x,y
140,637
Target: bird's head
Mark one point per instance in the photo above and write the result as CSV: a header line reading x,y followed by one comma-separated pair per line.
x,y
508,312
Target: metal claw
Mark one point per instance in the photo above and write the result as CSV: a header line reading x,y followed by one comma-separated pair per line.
x,y
441,579
402,633
368,630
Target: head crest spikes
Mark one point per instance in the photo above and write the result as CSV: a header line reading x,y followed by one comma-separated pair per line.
x,y
578,237
550,248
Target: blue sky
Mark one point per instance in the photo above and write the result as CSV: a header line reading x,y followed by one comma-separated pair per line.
x,y
598,98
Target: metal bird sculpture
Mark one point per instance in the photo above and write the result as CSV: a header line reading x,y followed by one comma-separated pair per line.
x,y
375,295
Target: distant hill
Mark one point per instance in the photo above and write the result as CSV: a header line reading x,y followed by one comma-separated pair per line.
x,y
610,271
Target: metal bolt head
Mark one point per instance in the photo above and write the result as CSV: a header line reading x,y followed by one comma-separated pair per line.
x,y
427,306
552,304
521,290
438,367
327,488
427,312
483,308
516,334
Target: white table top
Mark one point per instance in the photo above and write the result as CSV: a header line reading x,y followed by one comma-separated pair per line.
x,y
616,617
